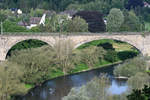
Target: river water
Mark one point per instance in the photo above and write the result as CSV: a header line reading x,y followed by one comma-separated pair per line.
x,y
57,88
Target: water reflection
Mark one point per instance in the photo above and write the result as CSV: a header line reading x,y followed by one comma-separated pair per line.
x,y
57,88
118,87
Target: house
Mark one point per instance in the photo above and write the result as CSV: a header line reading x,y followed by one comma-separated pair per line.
x,y
33,22
146,4
69,13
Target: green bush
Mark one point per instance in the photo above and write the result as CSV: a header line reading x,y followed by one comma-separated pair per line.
x,y
123,55
111,56
106,46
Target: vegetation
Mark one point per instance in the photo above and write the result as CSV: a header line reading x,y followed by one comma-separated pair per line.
x,y
27,44
77,25
95,89
140,94
131,67
94,20
139,80
36,64
114,20
10,80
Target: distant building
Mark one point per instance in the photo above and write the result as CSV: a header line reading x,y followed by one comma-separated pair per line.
x,y
146,4
34,21
69,13
19,11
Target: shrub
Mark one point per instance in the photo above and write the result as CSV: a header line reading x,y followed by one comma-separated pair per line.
x,y
106,46
111,56
123,55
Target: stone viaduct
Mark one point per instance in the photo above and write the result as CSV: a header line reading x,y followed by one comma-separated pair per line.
x,y
138,41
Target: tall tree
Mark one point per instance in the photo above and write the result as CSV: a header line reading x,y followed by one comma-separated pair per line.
x,y
114,20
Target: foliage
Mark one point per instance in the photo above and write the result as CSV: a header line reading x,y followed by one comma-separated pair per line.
x,y
37,63
36,12
140,94
10,84
77,25
13,27
56,23
131,67
64,56
139,80
93,90
134,3
132,22
114,20
94,20
123,55
2,16
111,56
106,46
92,55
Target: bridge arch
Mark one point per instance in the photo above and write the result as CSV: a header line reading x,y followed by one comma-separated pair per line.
x,y
135,41
9,41
25,44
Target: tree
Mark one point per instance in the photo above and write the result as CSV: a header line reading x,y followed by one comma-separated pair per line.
x,y
114,20
134,3
140,94
10,84
93,90
131,67
92,55
94,20
56,23
118,4
64,56
111,56
37,63
131,23
77,24
138,81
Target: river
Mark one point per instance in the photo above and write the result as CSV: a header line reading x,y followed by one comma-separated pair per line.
x,y
57,88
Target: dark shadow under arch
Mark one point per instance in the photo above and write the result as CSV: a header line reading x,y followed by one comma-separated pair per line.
x,y
26,44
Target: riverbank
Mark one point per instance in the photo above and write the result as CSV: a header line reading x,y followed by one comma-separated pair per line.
x,y
29,86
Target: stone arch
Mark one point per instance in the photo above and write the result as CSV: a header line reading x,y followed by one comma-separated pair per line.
x,y
13,40
132,40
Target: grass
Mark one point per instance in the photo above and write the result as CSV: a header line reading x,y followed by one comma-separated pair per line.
x,y
119,46
29,86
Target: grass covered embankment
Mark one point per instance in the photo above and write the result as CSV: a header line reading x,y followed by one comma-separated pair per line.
x,y
116,52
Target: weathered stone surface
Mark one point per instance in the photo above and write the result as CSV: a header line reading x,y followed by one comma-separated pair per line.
x,y
138,41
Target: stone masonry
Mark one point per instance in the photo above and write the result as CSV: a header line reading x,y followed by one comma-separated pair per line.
x,y
138,41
